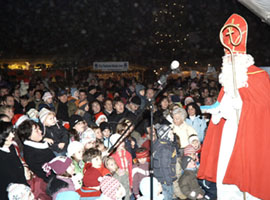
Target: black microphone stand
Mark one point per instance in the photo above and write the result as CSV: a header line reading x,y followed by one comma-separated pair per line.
x,y
150,103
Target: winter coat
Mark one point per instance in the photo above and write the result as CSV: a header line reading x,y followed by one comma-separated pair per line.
x,y
199,124
58,134
65,110
164,159
189,184
35,155
11,170
183,132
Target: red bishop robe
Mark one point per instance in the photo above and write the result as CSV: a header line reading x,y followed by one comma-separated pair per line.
x,y
249,165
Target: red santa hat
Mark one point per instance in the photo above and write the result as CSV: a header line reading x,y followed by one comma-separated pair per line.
x,y
235,30
18,119
99,117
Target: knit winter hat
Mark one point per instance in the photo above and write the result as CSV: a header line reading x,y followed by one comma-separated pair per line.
x,y
46,96
74,147
90,178
59,165
32,113
19,191
99,117
184,161
136,100
189,149
43,113
89,135
68,195
18,119
109,186
104,125
114,138
188,100
74,119
193,137
163,131
143,154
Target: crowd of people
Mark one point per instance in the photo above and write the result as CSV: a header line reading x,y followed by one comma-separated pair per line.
x,y
55,139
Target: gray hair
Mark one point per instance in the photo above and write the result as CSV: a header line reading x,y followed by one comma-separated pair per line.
x,y
180,111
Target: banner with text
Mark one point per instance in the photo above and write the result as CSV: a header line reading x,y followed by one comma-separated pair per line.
x,y
110,66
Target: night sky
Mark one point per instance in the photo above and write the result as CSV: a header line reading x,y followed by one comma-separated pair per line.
x,y
143,32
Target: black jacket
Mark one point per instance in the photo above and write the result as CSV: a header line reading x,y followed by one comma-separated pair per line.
x,y
11,171
164,161
58,134
35,155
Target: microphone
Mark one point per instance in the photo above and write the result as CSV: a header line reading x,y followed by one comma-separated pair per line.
x,y
174,69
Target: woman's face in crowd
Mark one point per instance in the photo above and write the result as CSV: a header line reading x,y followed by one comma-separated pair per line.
x,y
9,140
164,104
191,111
96,107
36,135
9,112
98,133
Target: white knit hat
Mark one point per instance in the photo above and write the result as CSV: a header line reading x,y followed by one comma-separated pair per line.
x,y
43,113
32,113
114,138
74,147
46,96
19,191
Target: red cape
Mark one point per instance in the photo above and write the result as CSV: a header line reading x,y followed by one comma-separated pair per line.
x,y
249,165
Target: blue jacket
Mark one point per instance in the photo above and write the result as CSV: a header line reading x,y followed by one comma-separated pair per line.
x,y
199,125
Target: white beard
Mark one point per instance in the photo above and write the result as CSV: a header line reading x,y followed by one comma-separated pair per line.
x,y
242,62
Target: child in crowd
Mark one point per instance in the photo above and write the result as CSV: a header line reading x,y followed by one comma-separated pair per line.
x,y
190,151
91,185
140,170
164,158
145,189
89,142
120,174
19,191
188,181
106,132
101,147
75,151
111,189
54,133
98,132
125,126
64,169
122,157
92,157
195,142
81,129
100,117
47,102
